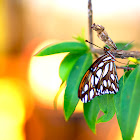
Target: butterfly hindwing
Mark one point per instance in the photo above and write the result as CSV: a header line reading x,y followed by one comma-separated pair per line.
x,y
109,81
101,78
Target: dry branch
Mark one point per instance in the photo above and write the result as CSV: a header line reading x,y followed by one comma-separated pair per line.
x,y
119,53
90,22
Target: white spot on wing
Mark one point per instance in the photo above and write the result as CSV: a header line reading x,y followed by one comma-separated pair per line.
x,y
101,88
111,66
107,58
83,100
117,90
97,93
92,80
105,83
113,86
112,77
91,93
94,68
103,92
101,64
112,92
96,80
109,83
115,66
107,92
116,78
99,72
106,69
86,98
83,92
86,87
98,90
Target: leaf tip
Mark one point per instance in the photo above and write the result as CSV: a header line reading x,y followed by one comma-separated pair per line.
x,y
94,131
66,117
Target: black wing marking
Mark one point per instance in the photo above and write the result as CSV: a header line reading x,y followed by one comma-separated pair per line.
x,y
101,78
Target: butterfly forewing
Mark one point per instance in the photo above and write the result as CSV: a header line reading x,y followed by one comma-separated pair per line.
x,y
101,78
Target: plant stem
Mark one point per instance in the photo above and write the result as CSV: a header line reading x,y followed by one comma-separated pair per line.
x,y
126,68
90,22
119,53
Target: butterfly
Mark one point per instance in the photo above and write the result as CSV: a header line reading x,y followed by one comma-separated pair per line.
x,y
101,78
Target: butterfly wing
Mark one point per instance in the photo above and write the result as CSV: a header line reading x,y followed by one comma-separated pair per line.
x,y
101,78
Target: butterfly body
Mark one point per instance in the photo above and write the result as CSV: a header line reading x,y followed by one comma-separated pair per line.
x,y
101,78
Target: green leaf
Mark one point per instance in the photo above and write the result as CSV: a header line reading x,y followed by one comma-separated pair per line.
x,y
110,111
129,104
81,37
71,93
102,101
67,64
117,96
91,110
124,46
73,47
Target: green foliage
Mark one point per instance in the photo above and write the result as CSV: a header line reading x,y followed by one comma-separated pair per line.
x,y
125,103
102,101
129,104
107,107
81,38
72,47
91,110
67,65
71,93
117,96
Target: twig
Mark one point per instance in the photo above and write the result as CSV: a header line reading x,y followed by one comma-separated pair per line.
x,y
126,54
119,53
126,68
90,22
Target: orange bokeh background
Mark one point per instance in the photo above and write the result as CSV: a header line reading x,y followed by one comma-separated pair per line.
x,y
28,84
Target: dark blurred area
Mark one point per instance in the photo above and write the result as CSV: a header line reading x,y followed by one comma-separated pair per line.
x,y
28,87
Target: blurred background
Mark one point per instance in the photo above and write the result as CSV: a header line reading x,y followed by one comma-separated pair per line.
x,y
28,84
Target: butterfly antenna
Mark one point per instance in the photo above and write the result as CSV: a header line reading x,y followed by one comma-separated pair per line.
x,y
92,44
120,62
127,44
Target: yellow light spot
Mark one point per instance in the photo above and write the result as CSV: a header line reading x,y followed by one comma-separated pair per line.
x,y
12,110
